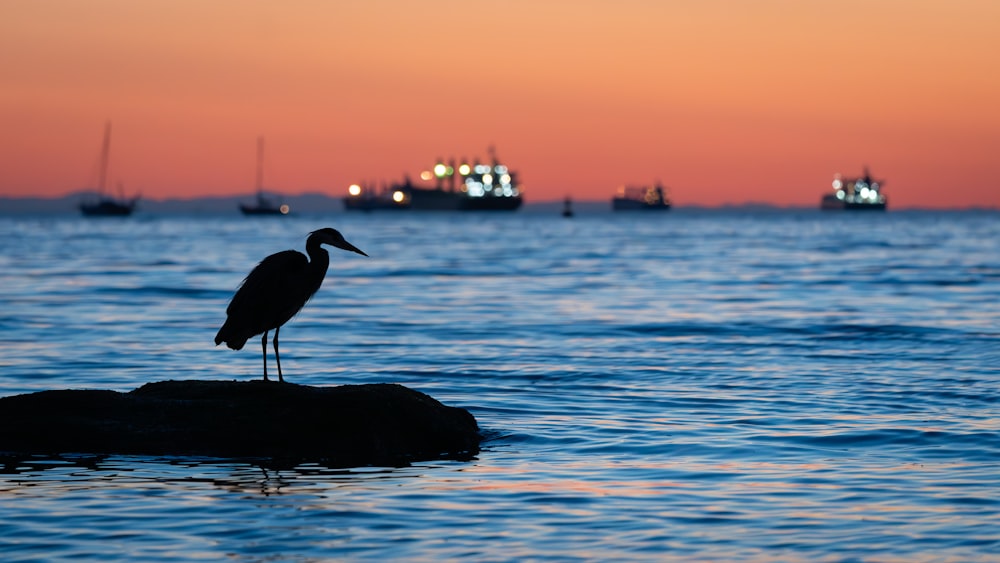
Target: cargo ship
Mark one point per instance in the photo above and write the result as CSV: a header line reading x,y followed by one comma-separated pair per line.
x,y
855,194
478,186
641,198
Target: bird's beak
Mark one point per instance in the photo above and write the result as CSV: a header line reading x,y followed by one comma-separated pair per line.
x,y
351,247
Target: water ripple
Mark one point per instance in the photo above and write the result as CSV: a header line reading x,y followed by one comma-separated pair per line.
x,y
691,387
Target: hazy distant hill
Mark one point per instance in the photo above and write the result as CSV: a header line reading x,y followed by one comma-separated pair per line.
x,y
309,204
69,204
306,204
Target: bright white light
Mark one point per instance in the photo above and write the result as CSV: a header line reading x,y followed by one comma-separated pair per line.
x,y
354,190
864,193
837,184
840,194
440,170
505,179
398,196
487,179
464,169
482,169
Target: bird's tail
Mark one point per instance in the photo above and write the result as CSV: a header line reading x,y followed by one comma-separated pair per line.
x,y
231,336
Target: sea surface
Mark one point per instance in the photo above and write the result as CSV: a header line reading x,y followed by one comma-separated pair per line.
x,y
686,386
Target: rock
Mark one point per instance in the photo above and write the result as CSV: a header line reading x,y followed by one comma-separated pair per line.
x,y
350,425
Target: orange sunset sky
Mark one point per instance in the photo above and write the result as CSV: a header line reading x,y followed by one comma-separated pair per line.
x,y
724,101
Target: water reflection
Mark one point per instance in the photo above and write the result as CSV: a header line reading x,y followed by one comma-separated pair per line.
x,y
264,477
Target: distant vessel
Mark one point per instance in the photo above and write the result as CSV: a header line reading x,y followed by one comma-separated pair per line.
x,y
366,197
481,187
104,205
632,198
855,194
263,205
567,208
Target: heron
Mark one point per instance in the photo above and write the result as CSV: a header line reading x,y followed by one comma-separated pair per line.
x,y
277,289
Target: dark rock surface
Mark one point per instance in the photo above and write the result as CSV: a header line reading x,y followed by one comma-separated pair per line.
x,y
350,425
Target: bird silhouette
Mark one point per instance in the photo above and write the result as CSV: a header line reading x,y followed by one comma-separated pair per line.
x,y
276,290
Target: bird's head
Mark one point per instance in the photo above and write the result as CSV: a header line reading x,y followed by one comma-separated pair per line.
x,y
333,237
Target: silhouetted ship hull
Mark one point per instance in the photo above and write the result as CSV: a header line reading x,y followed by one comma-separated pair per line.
x,y
107,207
255,210
374,202
263,206
467,187
831,203
641,198
428,199
855,194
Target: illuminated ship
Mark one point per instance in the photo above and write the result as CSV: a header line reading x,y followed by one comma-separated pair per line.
x,y
466,187
855,194
630,198
263,205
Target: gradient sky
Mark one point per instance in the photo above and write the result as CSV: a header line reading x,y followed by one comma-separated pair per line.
x,y
724,101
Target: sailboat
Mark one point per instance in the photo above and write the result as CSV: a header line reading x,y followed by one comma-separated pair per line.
x,y
263,205
104,205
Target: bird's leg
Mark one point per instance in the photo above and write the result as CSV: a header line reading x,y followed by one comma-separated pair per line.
x,y
263,345
277,358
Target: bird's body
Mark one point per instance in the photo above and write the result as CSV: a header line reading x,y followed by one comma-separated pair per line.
x,y
271,295
275,290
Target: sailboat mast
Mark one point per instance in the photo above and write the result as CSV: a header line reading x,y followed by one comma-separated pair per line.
x,y
102,179
260,164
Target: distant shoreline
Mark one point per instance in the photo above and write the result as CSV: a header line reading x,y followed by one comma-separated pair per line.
x,y
318,203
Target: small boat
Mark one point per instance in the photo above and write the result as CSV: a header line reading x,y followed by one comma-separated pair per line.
x,y
466,187
855,194
567,208
636,198
103,204
263,205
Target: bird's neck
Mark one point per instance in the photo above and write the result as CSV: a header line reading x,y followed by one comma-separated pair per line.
x,y
319,258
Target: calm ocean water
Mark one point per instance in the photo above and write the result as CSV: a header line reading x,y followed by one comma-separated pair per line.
x,y
693,386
